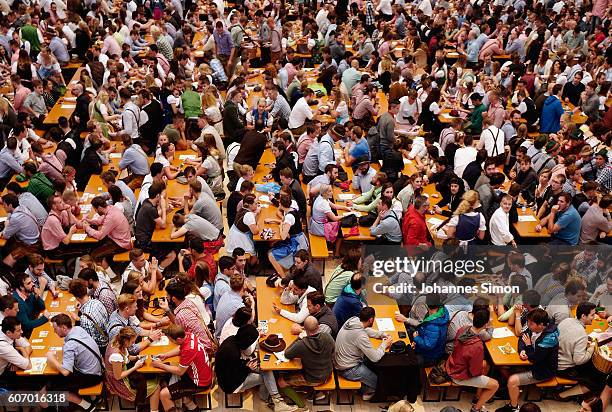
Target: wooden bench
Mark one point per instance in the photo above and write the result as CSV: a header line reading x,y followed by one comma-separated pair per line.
x,y
442,389
326,387
125,257
97,391
318,249
54,264
348,386
207,394
552,383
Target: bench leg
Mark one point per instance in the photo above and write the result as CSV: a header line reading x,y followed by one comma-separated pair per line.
x,y
350,397
528,390
445,396
426,392
208,402
227,402
324,402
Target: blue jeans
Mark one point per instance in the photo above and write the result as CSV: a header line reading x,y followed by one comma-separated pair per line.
x,y
265,381
362,374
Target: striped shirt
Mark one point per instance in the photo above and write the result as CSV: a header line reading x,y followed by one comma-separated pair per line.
x,y
187,315
116,322
105,294
281,109
93,317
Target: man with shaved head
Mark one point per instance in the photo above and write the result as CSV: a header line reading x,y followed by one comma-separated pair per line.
x,y
316,350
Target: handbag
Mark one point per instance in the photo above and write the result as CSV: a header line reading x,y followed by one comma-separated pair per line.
x,y
348,221
367,220
331,231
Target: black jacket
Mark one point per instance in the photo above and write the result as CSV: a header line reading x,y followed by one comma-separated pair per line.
x,y
251,149
154,125
285,160
230,369
232,207
233,125
90,165
471,173
298,194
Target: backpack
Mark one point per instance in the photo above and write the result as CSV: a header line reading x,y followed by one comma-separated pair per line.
x,y
438,373
373,138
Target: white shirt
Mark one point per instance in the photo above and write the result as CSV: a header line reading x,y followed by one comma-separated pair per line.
x,y
493,140
300,112
418,148
385,7
499,227
463,156
11,356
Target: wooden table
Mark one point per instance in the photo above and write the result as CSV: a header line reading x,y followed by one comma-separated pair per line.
x,y
527,229
65,105
42,344
268,210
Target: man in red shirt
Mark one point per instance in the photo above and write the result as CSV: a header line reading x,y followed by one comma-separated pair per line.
x,y
193,368
414,228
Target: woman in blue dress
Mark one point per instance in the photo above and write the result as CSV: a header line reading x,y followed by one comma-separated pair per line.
x,y
293,238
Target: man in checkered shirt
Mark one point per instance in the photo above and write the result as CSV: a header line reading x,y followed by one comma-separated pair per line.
x,y
92,313
603,171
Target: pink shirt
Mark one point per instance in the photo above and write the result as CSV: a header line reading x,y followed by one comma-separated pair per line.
x,y
52,167
303,145
20,95
111,46
497,114
114,225
52,232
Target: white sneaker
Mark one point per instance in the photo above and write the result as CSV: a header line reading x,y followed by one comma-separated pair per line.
x,y
281,406
367,396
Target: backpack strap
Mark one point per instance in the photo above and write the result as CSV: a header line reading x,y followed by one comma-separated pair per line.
x,y
98,357
98,328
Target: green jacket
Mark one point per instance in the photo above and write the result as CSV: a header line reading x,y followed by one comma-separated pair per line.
x,y
41,187
475,119
192,104
30,33
368,201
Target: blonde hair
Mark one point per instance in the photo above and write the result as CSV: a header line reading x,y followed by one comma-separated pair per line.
x,y
125,300
244,170
134,275
89,261
103,96
4,105
123,338
209,99
468,201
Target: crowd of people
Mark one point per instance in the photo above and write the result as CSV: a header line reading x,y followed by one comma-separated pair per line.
x,y
488,115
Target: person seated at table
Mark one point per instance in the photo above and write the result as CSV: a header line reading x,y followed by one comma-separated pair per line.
x,y
194,369
243,173
301,112
322,216
39,184
233,125
539,345
488,194
451,198
353,344
185,313
98,281
34,103
282,160
244,227
303,268
134,286
575,352
235,198
559,308
32,311
21,230
113,229
193,226
210,169
134,159
527,178
40,279
358,148
563,222
467,224
351,300
414,228
387,227
499,224
122,371
281,254
295,294
362,176
474,118
151,216
327,178
596,223
81,365
237,370
442,175
92,315
124,317
90,163
368,201
259,118
287,179
109,178
430,334
166,157
466,365
409,192
55,239
28,201
15,353
8,304
316,351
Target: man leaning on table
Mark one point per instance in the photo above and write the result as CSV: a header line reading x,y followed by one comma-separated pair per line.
x,y
122,317
81,365
32,311
295,294
15,352
353,344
